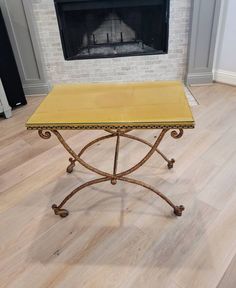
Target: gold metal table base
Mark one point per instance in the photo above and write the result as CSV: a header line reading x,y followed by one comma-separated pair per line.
x,y
114,177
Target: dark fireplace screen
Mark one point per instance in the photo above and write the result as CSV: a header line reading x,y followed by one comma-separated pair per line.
x,y
112,28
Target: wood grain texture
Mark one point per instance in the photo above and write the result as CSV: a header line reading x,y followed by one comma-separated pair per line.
x,y
121,236
229,278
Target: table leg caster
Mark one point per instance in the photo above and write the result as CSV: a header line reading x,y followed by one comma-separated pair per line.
x,y
171,164
71,166
61,212
178,210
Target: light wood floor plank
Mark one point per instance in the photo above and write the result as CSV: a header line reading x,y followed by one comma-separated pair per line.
x,y
229,278
214,252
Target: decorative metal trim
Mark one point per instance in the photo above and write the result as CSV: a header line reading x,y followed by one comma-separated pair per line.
x,y
105,127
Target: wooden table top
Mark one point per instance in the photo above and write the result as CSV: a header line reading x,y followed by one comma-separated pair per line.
x,y
100,106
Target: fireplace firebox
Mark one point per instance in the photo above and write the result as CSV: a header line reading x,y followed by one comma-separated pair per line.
x,y
112,28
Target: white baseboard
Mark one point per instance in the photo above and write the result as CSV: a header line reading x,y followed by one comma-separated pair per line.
x,y
226,77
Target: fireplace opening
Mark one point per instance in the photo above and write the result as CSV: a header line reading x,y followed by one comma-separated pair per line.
x,y
112,28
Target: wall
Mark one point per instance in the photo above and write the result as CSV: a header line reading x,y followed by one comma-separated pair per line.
x,y
225,62
24,41
138,68
204,25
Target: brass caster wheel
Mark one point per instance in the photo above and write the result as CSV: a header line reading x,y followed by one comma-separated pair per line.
x,y
71,166
178,210
61,212
171,164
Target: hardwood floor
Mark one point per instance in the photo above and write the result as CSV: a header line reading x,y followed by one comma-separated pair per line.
x,y
121,236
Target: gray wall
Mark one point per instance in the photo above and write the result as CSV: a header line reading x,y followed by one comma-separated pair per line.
x,y
23,37
226,59
205,16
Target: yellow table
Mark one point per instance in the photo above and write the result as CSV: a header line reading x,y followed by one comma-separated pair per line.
x,y
117,109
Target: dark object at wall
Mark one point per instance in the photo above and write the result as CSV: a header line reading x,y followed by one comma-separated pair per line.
x,y
8,70
113,28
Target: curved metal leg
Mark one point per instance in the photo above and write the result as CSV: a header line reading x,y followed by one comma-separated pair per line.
x,y
63,212
170,163
177,209
74,155
73,160
145,159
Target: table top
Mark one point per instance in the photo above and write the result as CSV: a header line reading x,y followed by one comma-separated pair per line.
x,y
101,106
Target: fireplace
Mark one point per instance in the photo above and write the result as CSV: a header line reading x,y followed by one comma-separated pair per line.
x,y
112,28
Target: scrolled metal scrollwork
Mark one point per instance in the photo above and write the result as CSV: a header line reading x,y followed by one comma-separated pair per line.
x,y
177,134
45,134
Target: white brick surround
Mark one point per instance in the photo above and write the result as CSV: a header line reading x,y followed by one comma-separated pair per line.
x,y
138,68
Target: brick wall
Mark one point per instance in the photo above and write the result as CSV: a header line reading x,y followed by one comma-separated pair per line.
x,y
137,68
